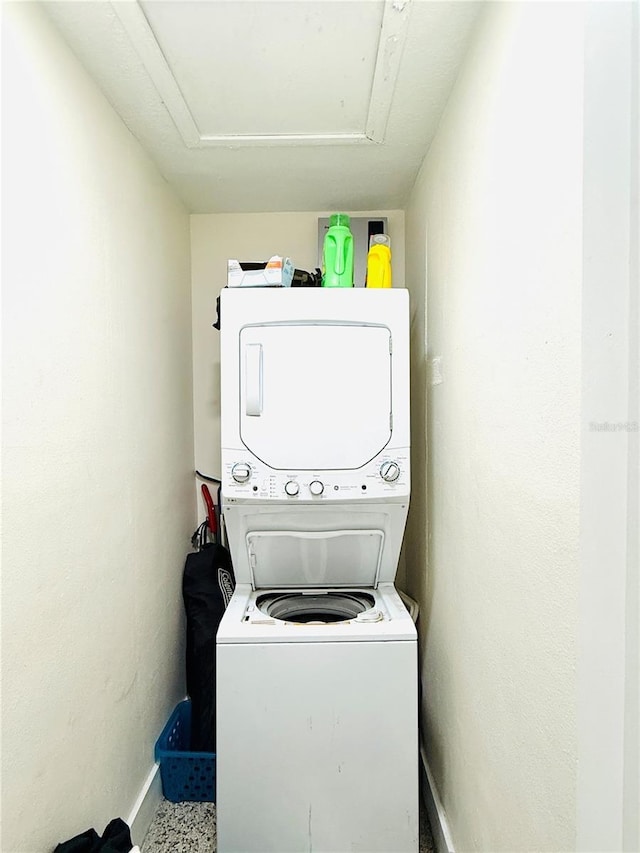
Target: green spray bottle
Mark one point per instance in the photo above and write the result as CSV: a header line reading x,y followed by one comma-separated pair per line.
x,y
337,254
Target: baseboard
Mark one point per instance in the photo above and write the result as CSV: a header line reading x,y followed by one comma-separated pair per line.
x,y
437,818
145,806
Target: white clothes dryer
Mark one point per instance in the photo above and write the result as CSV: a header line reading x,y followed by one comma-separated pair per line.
x,y
317,732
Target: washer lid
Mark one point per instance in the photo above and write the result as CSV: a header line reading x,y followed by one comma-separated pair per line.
x,y
315,396
334,558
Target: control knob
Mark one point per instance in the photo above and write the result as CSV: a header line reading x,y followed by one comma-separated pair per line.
x,y
389,471
241,472
316,487
291,488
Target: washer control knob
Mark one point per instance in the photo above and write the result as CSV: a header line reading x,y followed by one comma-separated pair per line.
x,y
241,472
316,487
389,471
291,488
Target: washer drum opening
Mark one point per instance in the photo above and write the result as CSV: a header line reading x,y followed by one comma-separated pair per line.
x,y
320,607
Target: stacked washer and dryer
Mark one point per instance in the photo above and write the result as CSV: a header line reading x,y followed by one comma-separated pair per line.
x,y
317,731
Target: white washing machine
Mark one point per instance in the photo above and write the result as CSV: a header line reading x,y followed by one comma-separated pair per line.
x,y
317,740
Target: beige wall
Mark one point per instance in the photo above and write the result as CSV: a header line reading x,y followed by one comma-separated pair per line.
x,y
97,431
608,672
494,239
251,236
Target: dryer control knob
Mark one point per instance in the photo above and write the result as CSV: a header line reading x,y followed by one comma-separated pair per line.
x,y
291,488
316,487
389,471
241,472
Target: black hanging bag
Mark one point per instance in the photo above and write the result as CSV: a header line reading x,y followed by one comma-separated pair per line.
x,y
207,585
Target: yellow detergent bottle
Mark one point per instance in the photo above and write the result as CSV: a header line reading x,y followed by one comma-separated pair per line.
x,y
379,261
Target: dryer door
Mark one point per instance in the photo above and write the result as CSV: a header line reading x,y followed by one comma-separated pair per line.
x,y
315,396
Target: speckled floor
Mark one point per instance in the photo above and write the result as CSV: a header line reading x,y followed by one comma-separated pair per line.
x,y
191,828
182,828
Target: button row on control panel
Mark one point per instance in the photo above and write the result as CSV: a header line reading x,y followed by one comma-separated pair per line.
x,y
241,473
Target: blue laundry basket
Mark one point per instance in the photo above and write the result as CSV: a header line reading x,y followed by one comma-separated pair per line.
x,y
186,776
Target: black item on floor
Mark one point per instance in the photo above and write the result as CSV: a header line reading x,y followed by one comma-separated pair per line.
x,y
207,585
115,839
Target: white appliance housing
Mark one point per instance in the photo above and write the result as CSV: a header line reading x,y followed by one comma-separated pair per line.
x,y
315,425
317,733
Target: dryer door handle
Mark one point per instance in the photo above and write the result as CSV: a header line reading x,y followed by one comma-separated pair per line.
x,y
253,380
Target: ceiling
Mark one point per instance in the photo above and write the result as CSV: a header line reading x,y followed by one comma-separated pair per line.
x,y
276,105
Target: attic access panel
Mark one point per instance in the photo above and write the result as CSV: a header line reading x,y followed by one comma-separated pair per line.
x,y
315,396
193,49
268,69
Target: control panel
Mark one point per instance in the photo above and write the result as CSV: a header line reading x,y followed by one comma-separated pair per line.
x,y
245,477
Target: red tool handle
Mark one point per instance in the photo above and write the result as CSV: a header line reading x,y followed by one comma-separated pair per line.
x,y
211,513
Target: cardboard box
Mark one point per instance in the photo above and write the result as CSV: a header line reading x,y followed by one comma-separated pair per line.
x,y
276,272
